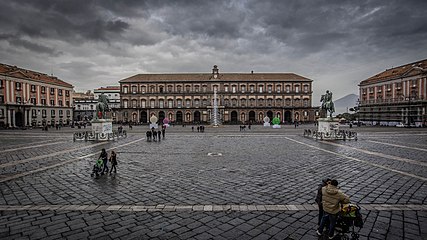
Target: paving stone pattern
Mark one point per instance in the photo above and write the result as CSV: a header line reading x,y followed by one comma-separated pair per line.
x,y
261,186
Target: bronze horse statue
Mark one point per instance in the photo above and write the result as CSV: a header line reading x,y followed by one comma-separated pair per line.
x,y
327,103
102,107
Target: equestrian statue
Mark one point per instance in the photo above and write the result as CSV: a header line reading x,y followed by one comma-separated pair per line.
x,y
102,107
327,103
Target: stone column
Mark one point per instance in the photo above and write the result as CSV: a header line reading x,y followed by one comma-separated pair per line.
x,y
9,118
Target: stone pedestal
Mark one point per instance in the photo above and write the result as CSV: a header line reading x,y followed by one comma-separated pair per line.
x,y
102,130
276,126
266,124
329,129
328,125
102,126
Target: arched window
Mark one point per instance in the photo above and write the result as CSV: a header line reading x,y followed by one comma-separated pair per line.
x,y
143,103
152,103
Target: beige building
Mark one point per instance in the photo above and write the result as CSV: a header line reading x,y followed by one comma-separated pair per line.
x,y
395,96
29,98
241,97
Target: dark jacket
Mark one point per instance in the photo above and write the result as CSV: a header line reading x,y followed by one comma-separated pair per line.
x,y
104,156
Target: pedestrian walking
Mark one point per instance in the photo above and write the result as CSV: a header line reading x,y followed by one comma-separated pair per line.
x,y
113,160
104,157
318,199
159,135
332,200
153,133
163,132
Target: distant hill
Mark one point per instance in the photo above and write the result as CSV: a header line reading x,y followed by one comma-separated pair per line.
x,y
345,102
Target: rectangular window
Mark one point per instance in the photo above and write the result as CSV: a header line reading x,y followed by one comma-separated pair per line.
x,y
67,103
1,99
179,103
133,89
33,101
33,113
152,103
67,93
125,89
59,92
18,99
44,113
143,89
287,88
252,88
43,90
61,113
60,103
68,113
188,102
170,103
1,84
143,104
233,89
197,89
52,102
269,88
52,113
305,88
261,89
226,89
161,103
43,102
297,89
52,91
243,88
33,88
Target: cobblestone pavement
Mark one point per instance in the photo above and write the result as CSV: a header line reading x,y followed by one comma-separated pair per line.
x,y
220,184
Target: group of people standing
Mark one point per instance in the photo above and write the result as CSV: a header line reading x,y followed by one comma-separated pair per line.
x,y
156,135
329,200
200,128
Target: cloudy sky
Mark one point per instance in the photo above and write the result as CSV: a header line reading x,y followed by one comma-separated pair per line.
x,y
91,43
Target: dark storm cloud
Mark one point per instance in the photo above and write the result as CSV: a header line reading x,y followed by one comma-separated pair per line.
x,y
316,38
69,21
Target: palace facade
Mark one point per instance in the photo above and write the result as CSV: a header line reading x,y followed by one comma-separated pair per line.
x,y
395,96
241,97
29,98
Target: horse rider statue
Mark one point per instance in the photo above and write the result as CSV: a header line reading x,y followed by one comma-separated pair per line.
x,y
327,103
102,107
